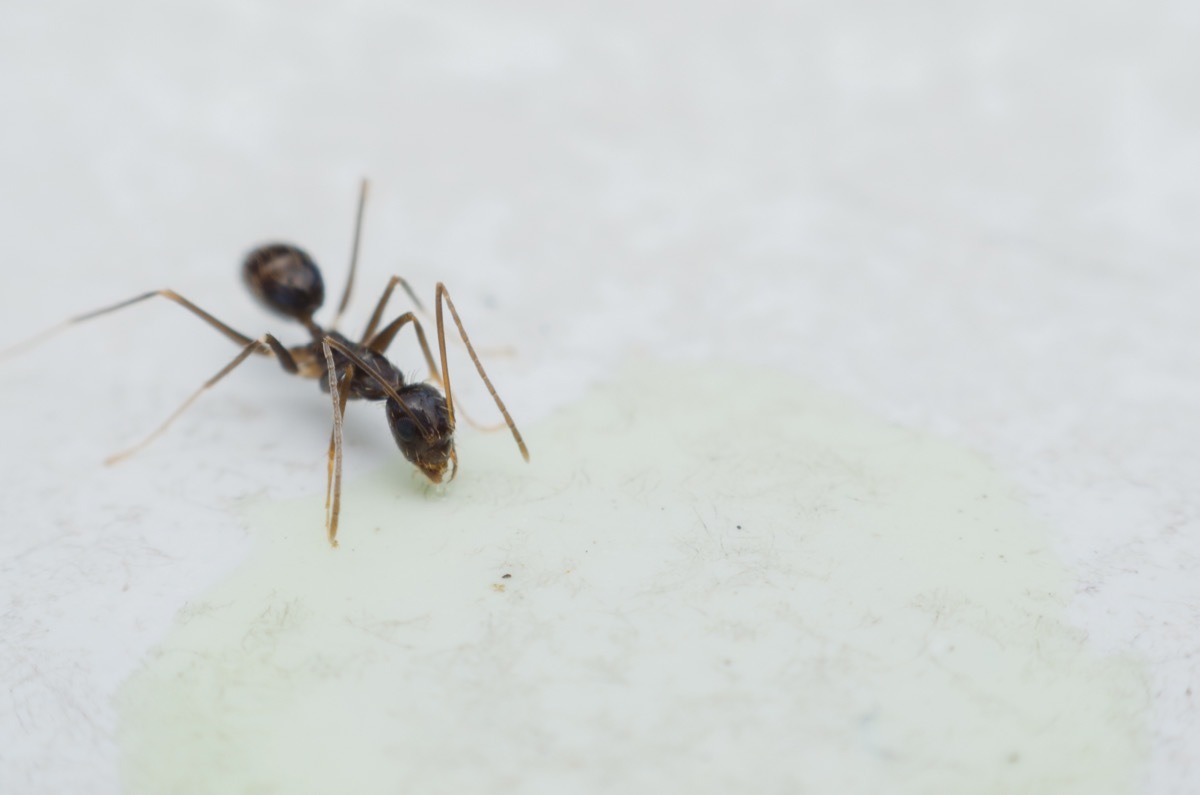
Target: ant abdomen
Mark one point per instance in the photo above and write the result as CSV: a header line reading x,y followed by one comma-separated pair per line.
x,y
285,280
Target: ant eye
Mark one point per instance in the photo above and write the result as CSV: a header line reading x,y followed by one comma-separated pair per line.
x,y
410,423
421,422
405,429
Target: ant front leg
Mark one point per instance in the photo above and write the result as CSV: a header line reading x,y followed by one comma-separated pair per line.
x,y
266,344
339,393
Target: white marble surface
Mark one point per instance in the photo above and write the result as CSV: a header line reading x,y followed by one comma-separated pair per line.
x,y
975,220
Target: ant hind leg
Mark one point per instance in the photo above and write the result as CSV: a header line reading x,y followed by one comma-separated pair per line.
x,y
171,295
265,344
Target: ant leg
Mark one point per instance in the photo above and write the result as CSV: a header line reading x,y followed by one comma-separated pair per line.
x,y
339,392
377,315
374,375
358,222
237,337
265,344
444,295
380,342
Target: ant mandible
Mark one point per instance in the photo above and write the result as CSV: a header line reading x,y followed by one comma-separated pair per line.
x,y
286,281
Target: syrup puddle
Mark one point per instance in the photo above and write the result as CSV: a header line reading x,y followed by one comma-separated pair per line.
x,y
717,582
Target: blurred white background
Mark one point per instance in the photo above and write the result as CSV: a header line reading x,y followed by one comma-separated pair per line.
x,y
975,219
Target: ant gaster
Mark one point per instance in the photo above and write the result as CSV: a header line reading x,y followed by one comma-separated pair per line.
x,y
287,282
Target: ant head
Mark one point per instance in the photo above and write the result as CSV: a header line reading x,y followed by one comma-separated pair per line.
x,y
285,280
422,430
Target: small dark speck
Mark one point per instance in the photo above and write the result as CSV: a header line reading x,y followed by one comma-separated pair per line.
x,y
739,527
1013,758
506,577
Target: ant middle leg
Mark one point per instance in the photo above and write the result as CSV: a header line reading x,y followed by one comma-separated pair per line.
x,y
265,345
339,392
377,315
380,342
171,295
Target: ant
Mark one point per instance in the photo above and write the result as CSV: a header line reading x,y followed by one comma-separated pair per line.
x,y
286,281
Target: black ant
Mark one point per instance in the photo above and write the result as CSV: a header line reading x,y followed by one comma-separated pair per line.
x,y
286,281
